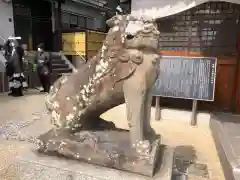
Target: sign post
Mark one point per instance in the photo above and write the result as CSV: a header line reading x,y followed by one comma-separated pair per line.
x,y
157,109
186,78
194,113
3,81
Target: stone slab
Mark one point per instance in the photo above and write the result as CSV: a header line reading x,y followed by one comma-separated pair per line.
x,y
108,148
226,134
31,165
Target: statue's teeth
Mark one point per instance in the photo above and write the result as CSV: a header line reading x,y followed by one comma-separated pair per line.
x,y
77,125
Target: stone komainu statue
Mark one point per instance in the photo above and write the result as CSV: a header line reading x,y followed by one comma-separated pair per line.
x,y
124,70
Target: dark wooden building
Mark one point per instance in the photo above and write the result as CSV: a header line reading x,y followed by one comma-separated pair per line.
x,y
33,22
209,29
44,20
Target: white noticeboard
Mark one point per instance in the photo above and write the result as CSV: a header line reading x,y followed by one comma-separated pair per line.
x,y
163,8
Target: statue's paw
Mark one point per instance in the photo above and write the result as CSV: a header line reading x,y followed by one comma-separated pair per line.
x,y
143,147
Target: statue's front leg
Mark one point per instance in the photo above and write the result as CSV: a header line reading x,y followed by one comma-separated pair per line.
x,y
135,96
147,129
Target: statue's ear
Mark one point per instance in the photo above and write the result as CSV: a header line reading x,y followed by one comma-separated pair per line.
x,y
114,21
110,22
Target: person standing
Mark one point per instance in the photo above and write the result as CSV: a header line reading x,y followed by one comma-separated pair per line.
x,y
44,68
7,49
15,69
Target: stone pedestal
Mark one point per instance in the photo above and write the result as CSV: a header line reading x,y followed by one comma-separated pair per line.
x,y
34,166
109,148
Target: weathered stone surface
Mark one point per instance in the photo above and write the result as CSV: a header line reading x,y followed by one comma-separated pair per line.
x,y
109,148
34,166
124,70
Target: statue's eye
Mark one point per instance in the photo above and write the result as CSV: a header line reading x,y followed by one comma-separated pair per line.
x,y
129,37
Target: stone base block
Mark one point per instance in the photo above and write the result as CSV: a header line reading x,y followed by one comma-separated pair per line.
x,y
34,166
109,148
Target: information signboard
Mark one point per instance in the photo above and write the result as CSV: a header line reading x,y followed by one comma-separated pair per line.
x,y
186,77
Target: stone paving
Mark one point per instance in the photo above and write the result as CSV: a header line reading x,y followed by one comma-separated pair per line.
x,y
30,109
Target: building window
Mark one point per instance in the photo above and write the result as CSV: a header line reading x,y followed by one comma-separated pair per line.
x,y
90,23
70,20
81,21
21,10
73,21
65,20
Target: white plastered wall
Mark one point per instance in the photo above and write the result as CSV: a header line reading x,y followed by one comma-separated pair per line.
x,y
6,27
163,8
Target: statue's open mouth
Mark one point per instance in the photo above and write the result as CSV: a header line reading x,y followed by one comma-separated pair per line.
x,y
129,37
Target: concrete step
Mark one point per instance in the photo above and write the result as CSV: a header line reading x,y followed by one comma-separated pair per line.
x,y
59,66
62,70
58,61
55,56
226,132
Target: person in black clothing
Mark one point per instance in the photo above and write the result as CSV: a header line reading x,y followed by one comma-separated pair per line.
x,y
8,49
44,67
14,68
